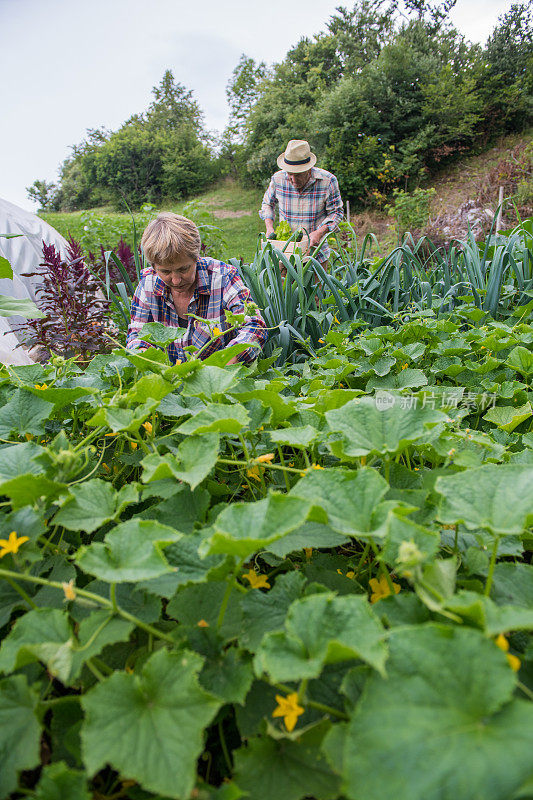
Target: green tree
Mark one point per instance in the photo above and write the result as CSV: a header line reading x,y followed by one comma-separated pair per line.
x,y
130,164
78,186
284,107
187,164
434,14
507,83
173,107
42,192
408,99
451,109
242,91
361,33
510,46
162,152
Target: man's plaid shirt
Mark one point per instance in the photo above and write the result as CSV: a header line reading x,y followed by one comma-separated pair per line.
x,y
319,203
219,288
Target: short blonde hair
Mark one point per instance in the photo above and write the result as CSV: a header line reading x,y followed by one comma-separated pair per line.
x,y
169,237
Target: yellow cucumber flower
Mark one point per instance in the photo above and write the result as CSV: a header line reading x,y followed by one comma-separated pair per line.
x,y
256,581
12,543
380,588
265,459
503,644
253,472
289,709
68,589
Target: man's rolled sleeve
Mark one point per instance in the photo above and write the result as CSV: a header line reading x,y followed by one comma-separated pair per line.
x,y
269,202
141,313
334,207
253,330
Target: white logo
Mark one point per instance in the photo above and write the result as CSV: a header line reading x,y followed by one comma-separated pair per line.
x,y
384,401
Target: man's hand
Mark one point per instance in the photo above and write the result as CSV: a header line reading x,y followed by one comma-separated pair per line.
x,y
316,236
269,225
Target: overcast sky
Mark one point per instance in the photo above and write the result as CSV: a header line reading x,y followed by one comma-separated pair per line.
x,y
69,65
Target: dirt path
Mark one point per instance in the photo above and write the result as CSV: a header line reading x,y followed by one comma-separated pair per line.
x,y
222,213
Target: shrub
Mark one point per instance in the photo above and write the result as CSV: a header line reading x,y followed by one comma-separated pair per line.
x,y
410,209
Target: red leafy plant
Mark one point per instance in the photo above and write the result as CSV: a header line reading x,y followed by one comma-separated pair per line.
x,y
77,314
126,257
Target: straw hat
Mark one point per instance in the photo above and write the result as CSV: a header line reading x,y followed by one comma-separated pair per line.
x,y
297,157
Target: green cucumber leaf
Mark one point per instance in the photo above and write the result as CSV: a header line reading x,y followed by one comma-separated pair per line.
x,y
194,459
211,381
20,731
244,528
217,417
42,634
264,612
132,551
292,770
295,436
228,676
25,490
310,534
17,460
495,497
513,584
149,387
508,417
59,782
440,721
322,629
92,503
379,425
24,413
10,307
154,724
521,360
159,334
201,603
349,501
123,419
406,379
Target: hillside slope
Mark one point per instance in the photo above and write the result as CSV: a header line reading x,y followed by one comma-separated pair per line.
x,y
469,185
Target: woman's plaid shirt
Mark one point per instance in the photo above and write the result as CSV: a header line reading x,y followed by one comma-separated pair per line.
x,y
319,203
218,288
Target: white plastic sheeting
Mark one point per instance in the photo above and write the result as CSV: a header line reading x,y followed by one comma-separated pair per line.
x,y
24,253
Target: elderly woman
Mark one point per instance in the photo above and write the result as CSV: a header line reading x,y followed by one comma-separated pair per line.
x,y
180,283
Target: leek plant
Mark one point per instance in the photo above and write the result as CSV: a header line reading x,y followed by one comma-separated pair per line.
x,y
300,308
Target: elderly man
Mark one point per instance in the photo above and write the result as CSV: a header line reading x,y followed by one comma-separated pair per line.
x,y
307,197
